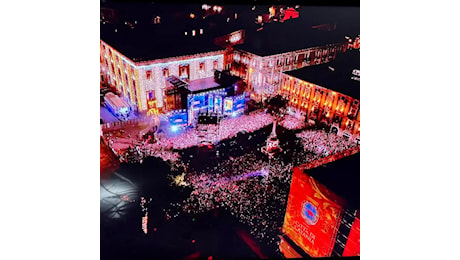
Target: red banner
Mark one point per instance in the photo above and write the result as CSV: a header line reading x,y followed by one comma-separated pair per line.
x,y
353,241
312,216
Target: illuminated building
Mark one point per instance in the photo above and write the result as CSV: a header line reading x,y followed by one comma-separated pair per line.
x,y
266,54
322,214
143,81
327,94
138,66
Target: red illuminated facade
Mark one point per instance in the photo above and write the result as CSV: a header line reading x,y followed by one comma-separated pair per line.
x,y
323,105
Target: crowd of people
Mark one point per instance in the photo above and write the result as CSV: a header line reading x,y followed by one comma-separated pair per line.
x,y
228,129
251,187
323,143
292,123
130,148
254,188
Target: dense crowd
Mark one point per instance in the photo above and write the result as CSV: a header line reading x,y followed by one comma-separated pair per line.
x,y
323,143
292,123
228,129
251,187
131,148
254,188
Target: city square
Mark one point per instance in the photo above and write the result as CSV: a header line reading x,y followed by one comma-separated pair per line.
x,y
212,134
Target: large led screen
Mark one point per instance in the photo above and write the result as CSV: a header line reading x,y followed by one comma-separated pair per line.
x,y
312,215
197,101
178,118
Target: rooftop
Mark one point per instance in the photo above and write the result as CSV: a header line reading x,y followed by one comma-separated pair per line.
x,y
296,34
143,44
200,85
143,40
339,79
341,177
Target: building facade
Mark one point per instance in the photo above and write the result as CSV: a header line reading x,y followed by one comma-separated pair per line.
x,y
324,106
264,74
143,83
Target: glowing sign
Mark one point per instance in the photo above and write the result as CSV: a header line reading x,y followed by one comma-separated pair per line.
x,y
178,118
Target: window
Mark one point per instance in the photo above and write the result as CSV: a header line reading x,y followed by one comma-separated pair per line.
x,y
151,95
184,72
215,64
237,57
148,75
202,67
166,72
